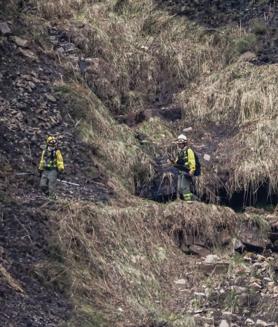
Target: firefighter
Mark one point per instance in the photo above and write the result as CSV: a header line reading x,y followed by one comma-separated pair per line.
x,y
186,165
50,166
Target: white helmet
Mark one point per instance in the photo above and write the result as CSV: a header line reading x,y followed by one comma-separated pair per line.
x,y
182,138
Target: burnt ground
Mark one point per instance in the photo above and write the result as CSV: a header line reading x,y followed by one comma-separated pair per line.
x,y
28,295
29,112
217,13
33,284
259,18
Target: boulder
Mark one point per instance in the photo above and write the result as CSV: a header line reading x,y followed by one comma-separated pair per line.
x,y
253,238
23,43
224,323
29,54
50,98
207,157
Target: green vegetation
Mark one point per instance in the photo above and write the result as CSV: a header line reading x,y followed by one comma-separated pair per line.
x,y
246,43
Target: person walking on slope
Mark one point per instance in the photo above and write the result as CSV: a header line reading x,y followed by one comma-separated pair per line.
x,y
51,164
186,165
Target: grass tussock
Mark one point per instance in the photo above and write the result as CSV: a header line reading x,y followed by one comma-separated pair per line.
x,y
240,94
141,54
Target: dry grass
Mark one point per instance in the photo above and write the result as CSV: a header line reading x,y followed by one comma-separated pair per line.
x,y
143,55
240,94
146,54
242,97
259,163
122,259
6,277
118,153
59,9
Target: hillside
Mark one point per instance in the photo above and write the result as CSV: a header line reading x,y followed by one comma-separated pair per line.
x,y
116,81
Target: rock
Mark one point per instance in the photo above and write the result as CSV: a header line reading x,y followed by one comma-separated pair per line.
x,y
51,98
212,258
34,138
212,264
238,245
250,322
248,56
207,157
199,294
188,129
256,285
227,315
260,322
32,85
252,238
29,54
20,42
224,323
217,268
60,50
198,250
243,299
260,258
180,282
5,29
69,47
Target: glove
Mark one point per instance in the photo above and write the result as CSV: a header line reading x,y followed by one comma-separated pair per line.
x,y
60,174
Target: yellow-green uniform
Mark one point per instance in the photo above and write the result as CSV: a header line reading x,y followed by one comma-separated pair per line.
x,y
50,164
186,164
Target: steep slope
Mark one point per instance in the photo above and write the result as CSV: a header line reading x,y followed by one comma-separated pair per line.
x,y
100,256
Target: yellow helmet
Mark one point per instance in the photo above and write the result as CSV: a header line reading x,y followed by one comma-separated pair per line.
x,y
51,140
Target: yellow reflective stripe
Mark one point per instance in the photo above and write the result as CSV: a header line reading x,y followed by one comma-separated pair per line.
x,y
42,161
191,161
57,162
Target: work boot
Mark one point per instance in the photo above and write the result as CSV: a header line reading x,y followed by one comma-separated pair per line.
x,y
45,190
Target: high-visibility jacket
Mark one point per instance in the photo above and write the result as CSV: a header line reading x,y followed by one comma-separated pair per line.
x,y
186,161
51,159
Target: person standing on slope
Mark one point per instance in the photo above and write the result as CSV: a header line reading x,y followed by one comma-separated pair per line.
x,y
186,165
51,164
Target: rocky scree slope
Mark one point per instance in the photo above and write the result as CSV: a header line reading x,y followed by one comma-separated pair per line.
x,y
29,112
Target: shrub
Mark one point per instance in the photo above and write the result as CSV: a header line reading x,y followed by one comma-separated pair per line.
x,y
245,43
